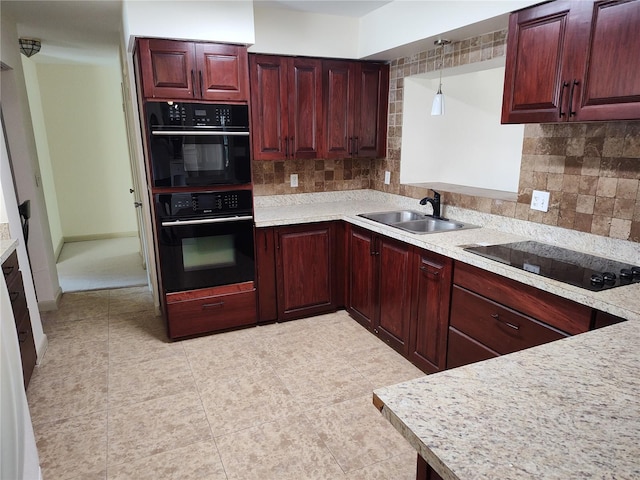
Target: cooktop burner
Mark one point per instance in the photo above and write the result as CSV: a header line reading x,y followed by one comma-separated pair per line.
x,y
579,269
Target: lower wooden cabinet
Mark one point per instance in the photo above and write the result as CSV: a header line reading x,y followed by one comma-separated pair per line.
x,y
492,315
430,311
380,279
15,288
209,310
424,471
304,279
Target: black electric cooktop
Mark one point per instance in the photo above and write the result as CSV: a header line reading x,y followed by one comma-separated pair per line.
x,y
579,269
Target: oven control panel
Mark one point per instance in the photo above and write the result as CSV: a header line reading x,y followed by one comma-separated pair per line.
x,y
203,204
185,114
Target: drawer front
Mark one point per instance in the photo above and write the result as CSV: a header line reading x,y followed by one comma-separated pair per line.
x,y
463,350
211,314
27,349
17,297
566,315
498,327
10,267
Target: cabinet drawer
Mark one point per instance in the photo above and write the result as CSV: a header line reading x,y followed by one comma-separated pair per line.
x,y
17,297
566,315
27,348
498,327
464,350
211,313
10,267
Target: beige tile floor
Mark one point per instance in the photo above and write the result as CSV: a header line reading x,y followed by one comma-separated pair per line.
x,y
114,399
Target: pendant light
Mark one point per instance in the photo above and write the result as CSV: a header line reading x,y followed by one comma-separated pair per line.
x,y
438,101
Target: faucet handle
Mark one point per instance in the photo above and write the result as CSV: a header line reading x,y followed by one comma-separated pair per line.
x,y
436,195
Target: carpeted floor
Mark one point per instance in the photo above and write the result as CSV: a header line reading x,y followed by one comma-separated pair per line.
x,y
101,264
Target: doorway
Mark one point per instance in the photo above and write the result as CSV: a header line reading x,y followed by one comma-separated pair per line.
x,y
83,153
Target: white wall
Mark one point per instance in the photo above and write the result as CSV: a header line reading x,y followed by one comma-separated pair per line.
x,y
406,21
288,32
21,143
82,106
228,21
468,145
44,159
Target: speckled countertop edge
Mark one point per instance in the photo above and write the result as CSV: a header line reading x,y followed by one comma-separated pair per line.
x,y
7,247
569,409
314,207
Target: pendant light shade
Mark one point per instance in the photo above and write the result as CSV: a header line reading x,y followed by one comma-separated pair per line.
x,y
438,101
438,104
29,46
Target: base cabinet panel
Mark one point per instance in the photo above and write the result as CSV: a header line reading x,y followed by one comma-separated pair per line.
x,y
305,274
15,288
430,311
463,350
210,310
379,294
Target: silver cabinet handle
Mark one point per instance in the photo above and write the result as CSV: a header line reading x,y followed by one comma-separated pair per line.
x,y
495,316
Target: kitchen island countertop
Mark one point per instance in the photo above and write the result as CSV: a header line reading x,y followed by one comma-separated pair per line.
x,y
569,409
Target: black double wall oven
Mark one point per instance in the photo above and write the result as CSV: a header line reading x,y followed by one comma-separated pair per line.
x,y
200,169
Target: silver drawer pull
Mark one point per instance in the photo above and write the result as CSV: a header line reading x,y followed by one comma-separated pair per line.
x,y
495,316
213,305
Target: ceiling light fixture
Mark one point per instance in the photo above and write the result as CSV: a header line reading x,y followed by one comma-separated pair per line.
x,y
438,101
29,46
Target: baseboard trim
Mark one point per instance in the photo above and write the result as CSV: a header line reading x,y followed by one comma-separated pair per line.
x,y
50,305
99,236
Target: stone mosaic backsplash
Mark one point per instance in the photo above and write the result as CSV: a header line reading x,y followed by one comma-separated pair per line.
x,y
591,170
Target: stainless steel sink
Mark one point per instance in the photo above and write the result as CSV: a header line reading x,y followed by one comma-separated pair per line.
x,y
416,222
397,216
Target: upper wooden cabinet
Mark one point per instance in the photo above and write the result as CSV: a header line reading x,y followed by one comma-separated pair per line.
x,y
286,107
355,104
175,70
573,61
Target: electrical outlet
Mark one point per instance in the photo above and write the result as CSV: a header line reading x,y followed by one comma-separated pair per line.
x,y
387,177
294,180
540,201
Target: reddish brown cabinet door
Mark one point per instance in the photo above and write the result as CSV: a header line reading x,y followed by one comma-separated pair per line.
x,y
362,276
610,85
339,85
355,102
305,107
167,68
304,269
430,311
176,70
266,275
573,61
223,72
391,323
269,113
286,104
371,97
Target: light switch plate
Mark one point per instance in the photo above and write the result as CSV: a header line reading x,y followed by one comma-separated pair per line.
x,y
387,177
540,201
294,180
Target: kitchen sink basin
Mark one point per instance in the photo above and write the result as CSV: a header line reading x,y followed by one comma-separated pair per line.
x,y
416,222
397,216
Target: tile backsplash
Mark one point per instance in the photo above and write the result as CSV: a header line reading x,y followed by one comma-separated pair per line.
x,y
592,170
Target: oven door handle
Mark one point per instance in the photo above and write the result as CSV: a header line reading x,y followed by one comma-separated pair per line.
x,y
199,132
202,221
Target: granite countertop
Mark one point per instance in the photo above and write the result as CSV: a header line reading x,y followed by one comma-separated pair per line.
x,y
304,208
7,247
569,409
